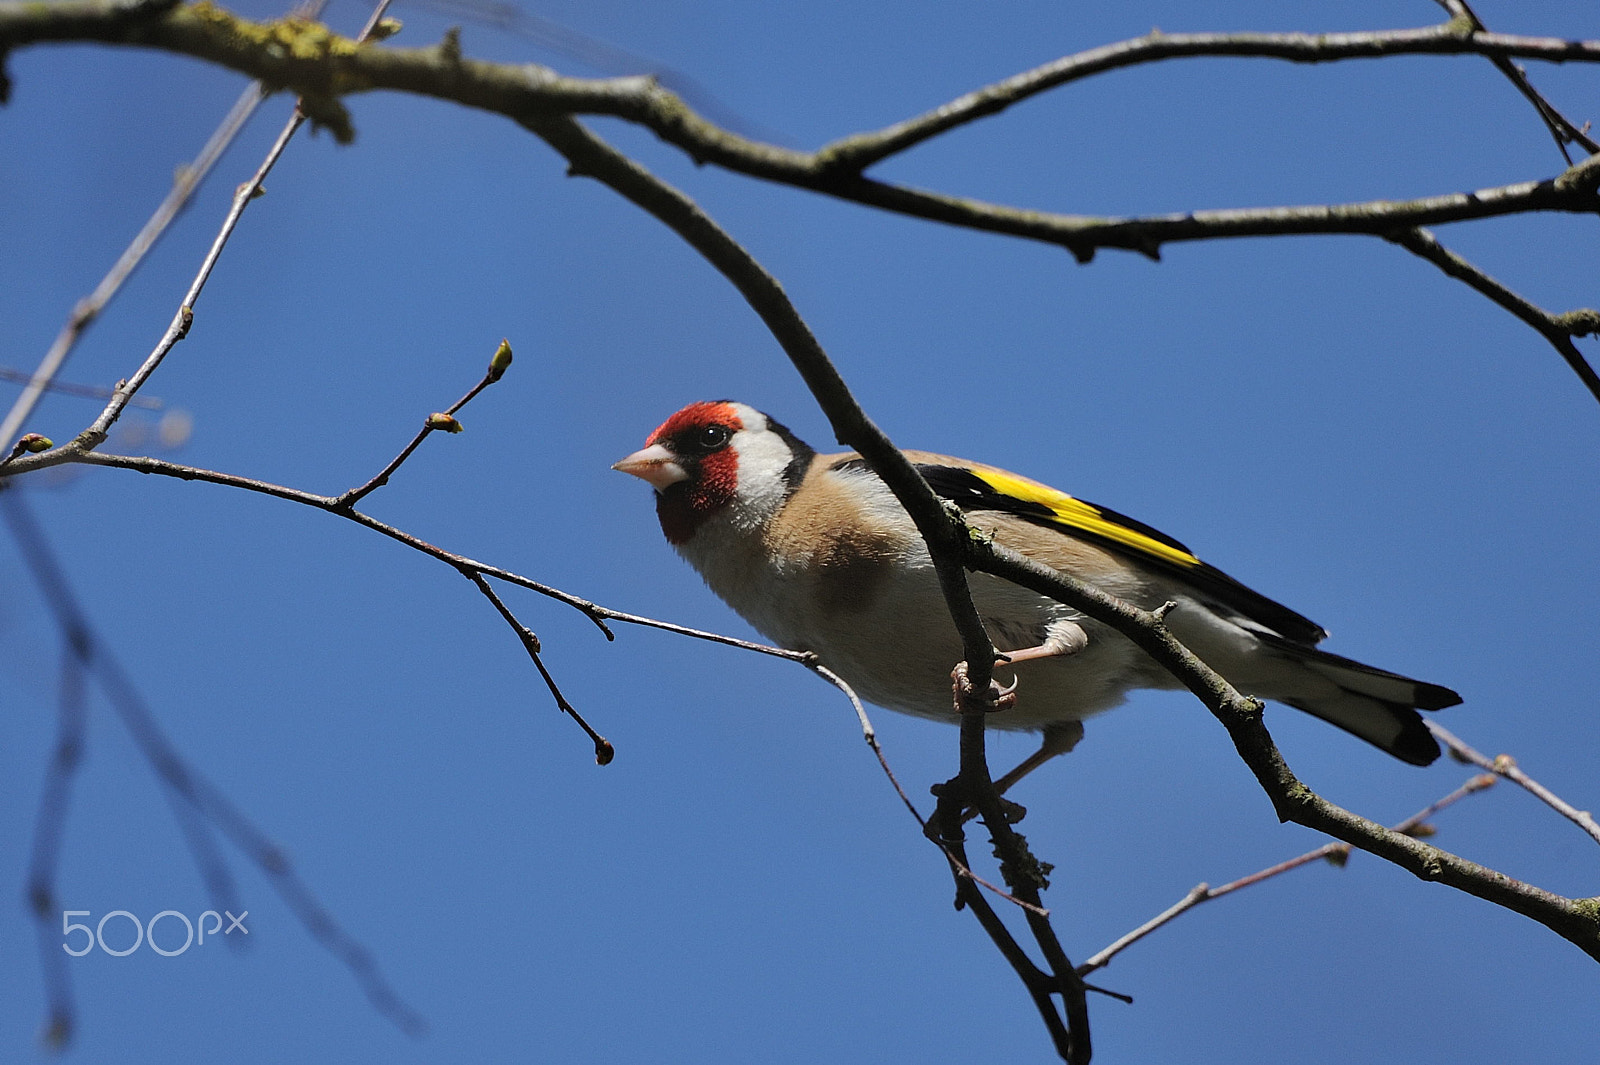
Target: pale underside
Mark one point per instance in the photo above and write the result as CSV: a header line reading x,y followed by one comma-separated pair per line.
x,y
856,586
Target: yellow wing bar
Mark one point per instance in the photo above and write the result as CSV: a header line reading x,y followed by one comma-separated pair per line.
x,y
1074,513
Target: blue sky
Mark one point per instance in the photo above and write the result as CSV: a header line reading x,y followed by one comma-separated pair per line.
x,y
1330,420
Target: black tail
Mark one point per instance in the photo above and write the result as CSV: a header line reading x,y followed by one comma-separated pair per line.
x,y
1374,704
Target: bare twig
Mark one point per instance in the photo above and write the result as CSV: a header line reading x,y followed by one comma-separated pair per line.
x,y
1558,329
594,611
604,752
70,388
435,422
193,795
184,184
1329,852
49,831
957,864
95,435
597,613
1560,127
1505,766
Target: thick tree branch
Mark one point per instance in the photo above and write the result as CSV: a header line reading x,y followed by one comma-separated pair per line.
x,y
1577,920
324,66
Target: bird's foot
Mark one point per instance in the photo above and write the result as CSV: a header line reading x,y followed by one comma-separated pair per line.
x,y
994,699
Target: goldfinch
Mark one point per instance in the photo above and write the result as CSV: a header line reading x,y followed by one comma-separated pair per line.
x,y
816,553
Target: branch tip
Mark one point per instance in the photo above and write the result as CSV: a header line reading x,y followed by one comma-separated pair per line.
x,y
57,1033
500,362
449,46
384,28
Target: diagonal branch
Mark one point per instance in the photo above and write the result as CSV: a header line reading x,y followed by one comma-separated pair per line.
x,y
603,750
95,435
1558,329
1506,766
1560,127
199,805
1335,853
444,421
184,185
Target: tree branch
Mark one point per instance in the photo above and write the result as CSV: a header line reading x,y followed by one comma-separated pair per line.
x,y
1558,329
1336,853
1504,765
323,66
1576,920
184,184
197,803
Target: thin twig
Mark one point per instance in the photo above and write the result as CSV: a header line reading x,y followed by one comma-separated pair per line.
x,y
1558,329
95,435
1335,852
70,388
594,611
1506,766
182,782
604,752
958,866
49,831
1560,127
184,184
433,424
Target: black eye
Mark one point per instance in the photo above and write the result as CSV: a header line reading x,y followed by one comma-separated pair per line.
x,y
712,437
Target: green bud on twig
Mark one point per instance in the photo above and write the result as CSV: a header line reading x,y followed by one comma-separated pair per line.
x,y
35,443
501,361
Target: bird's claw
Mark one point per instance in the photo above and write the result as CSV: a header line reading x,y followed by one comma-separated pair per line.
x,y
995,699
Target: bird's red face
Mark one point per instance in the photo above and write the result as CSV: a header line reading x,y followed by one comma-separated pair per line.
x,y
691,464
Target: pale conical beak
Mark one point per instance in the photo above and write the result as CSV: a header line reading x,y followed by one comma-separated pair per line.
x,y
654,464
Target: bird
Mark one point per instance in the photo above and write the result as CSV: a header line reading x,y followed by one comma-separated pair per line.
x,y
815,552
